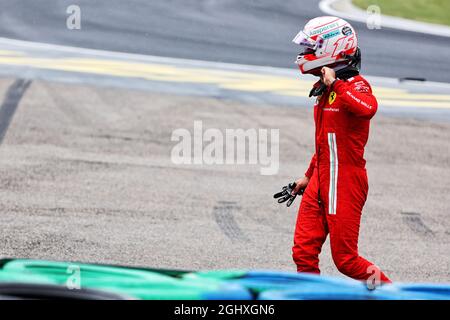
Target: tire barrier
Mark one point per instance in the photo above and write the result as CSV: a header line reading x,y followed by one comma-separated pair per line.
x,y
129,282
31,279
273,285
326,291
23,291
419,291
262,280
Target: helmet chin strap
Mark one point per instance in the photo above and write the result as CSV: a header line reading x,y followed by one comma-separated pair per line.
x,y
342,72
352,68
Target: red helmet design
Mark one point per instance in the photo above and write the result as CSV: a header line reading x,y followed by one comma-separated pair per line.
x,y
326,41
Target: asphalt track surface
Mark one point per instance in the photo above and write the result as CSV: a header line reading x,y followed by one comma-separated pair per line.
x,y
245,32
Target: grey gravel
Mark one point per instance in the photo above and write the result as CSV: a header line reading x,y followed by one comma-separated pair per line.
x,y
86,176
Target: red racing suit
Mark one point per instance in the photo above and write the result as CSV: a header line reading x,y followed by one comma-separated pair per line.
x,y
338,186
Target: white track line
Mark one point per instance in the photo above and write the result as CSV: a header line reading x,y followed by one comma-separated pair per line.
x,y
142,57
351,12
29,45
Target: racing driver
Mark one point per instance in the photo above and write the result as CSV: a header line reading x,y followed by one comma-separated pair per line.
x,y
335,185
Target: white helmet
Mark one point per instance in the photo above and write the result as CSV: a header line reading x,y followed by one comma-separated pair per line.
x,y
326,41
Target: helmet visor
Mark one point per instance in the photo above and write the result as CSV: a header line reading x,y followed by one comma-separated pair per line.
x,y
303,40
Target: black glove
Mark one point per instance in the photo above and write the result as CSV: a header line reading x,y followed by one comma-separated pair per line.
x,y
317,91
286,194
